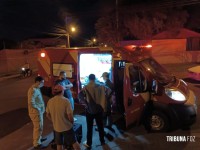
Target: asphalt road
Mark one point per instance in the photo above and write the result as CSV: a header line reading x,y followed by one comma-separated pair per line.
x,y
14,93
13,115
13,104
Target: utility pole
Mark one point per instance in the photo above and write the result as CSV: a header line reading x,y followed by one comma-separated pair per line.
x,y
4,45
68,41
117,19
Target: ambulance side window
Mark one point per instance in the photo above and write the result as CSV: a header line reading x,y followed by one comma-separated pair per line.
x,y
68,68
137,79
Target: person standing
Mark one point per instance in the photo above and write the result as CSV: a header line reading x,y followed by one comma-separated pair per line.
x,y
67,85
107,116
36,109
59,111
95,94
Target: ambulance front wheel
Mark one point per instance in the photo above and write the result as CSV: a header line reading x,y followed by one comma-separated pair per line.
x,y
157,122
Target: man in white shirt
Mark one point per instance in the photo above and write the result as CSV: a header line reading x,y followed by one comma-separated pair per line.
x,y
60,112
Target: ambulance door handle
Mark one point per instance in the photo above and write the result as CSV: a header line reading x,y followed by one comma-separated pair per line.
x,y
129,101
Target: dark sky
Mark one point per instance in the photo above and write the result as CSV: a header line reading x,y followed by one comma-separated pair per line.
x,y
21,19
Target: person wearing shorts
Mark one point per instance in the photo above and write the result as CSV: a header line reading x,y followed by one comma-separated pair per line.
x,y
68,136
60,112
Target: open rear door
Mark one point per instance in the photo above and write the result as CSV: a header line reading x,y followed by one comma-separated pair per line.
x,y
135,93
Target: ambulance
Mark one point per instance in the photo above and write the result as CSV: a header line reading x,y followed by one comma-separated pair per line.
x,y
145,92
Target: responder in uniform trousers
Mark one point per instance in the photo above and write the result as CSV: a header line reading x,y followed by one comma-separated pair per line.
x,y
36,109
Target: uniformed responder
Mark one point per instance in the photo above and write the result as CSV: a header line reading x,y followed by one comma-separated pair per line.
x,y
36,109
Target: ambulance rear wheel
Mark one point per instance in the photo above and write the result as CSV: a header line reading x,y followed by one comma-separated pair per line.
x,y
158,122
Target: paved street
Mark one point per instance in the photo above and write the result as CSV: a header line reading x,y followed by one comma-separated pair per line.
x,y
16,129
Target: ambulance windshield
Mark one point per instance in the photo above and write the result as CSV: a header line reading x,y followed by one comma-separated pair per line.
x,y
94,64
158,72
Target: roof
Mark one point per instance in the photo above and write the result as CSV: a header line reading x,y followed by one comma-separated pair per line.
x,y
180,33
134,42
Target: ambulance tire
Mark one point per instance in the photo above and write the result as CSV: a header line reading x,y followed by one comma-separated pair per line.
x,y
157,122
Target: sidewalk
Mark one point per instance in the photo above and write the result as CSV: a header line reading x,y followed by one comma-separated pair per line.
x,y
21,139
134,138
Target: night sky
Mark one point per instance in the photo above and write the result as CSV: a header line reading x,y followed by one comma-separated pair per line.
x,y
22,19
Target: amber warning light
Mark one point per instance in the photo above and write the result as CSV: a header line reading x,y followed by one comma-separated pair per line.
x,y
42,54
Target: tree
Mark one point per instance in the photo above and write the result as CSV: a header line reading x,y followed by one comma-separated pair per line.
x,y
139,25
194,18
107,31
145,24
176,18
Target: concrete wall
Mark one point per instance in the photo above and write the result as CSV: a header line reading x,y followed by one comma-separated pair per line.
x,y
11,60
3,61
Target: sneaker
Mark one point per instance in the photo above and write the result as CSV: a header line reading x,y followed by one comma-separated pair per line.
x,y
43,139
86,145
40,146
75,119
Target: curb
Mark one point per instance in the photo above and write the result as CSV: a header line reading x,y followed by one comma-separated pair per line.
x,y
9,77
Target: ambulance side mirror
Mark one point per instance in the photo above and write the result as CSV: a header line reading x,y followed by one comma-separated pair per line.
x,y
154,88
135,87
139,86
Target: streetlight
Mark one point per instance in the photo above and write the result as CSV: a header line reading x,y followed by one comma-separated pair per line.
x,y
94,40
72,29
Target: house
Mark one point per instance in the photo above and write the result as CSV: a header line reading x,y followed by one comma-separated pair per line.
x,y
176,46
172,46
44,42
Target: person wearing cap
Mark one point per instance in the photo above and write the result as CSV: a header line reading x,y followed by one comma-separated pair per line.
x,y
107,115
36,109
95,101
59,111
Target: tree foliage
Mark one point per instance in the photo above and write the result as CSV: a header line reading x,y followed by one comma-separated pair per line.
x,y
138,25
107,31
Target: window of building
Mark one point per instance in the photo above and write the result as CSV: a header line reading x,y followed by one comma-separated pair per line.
x,y
193,44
